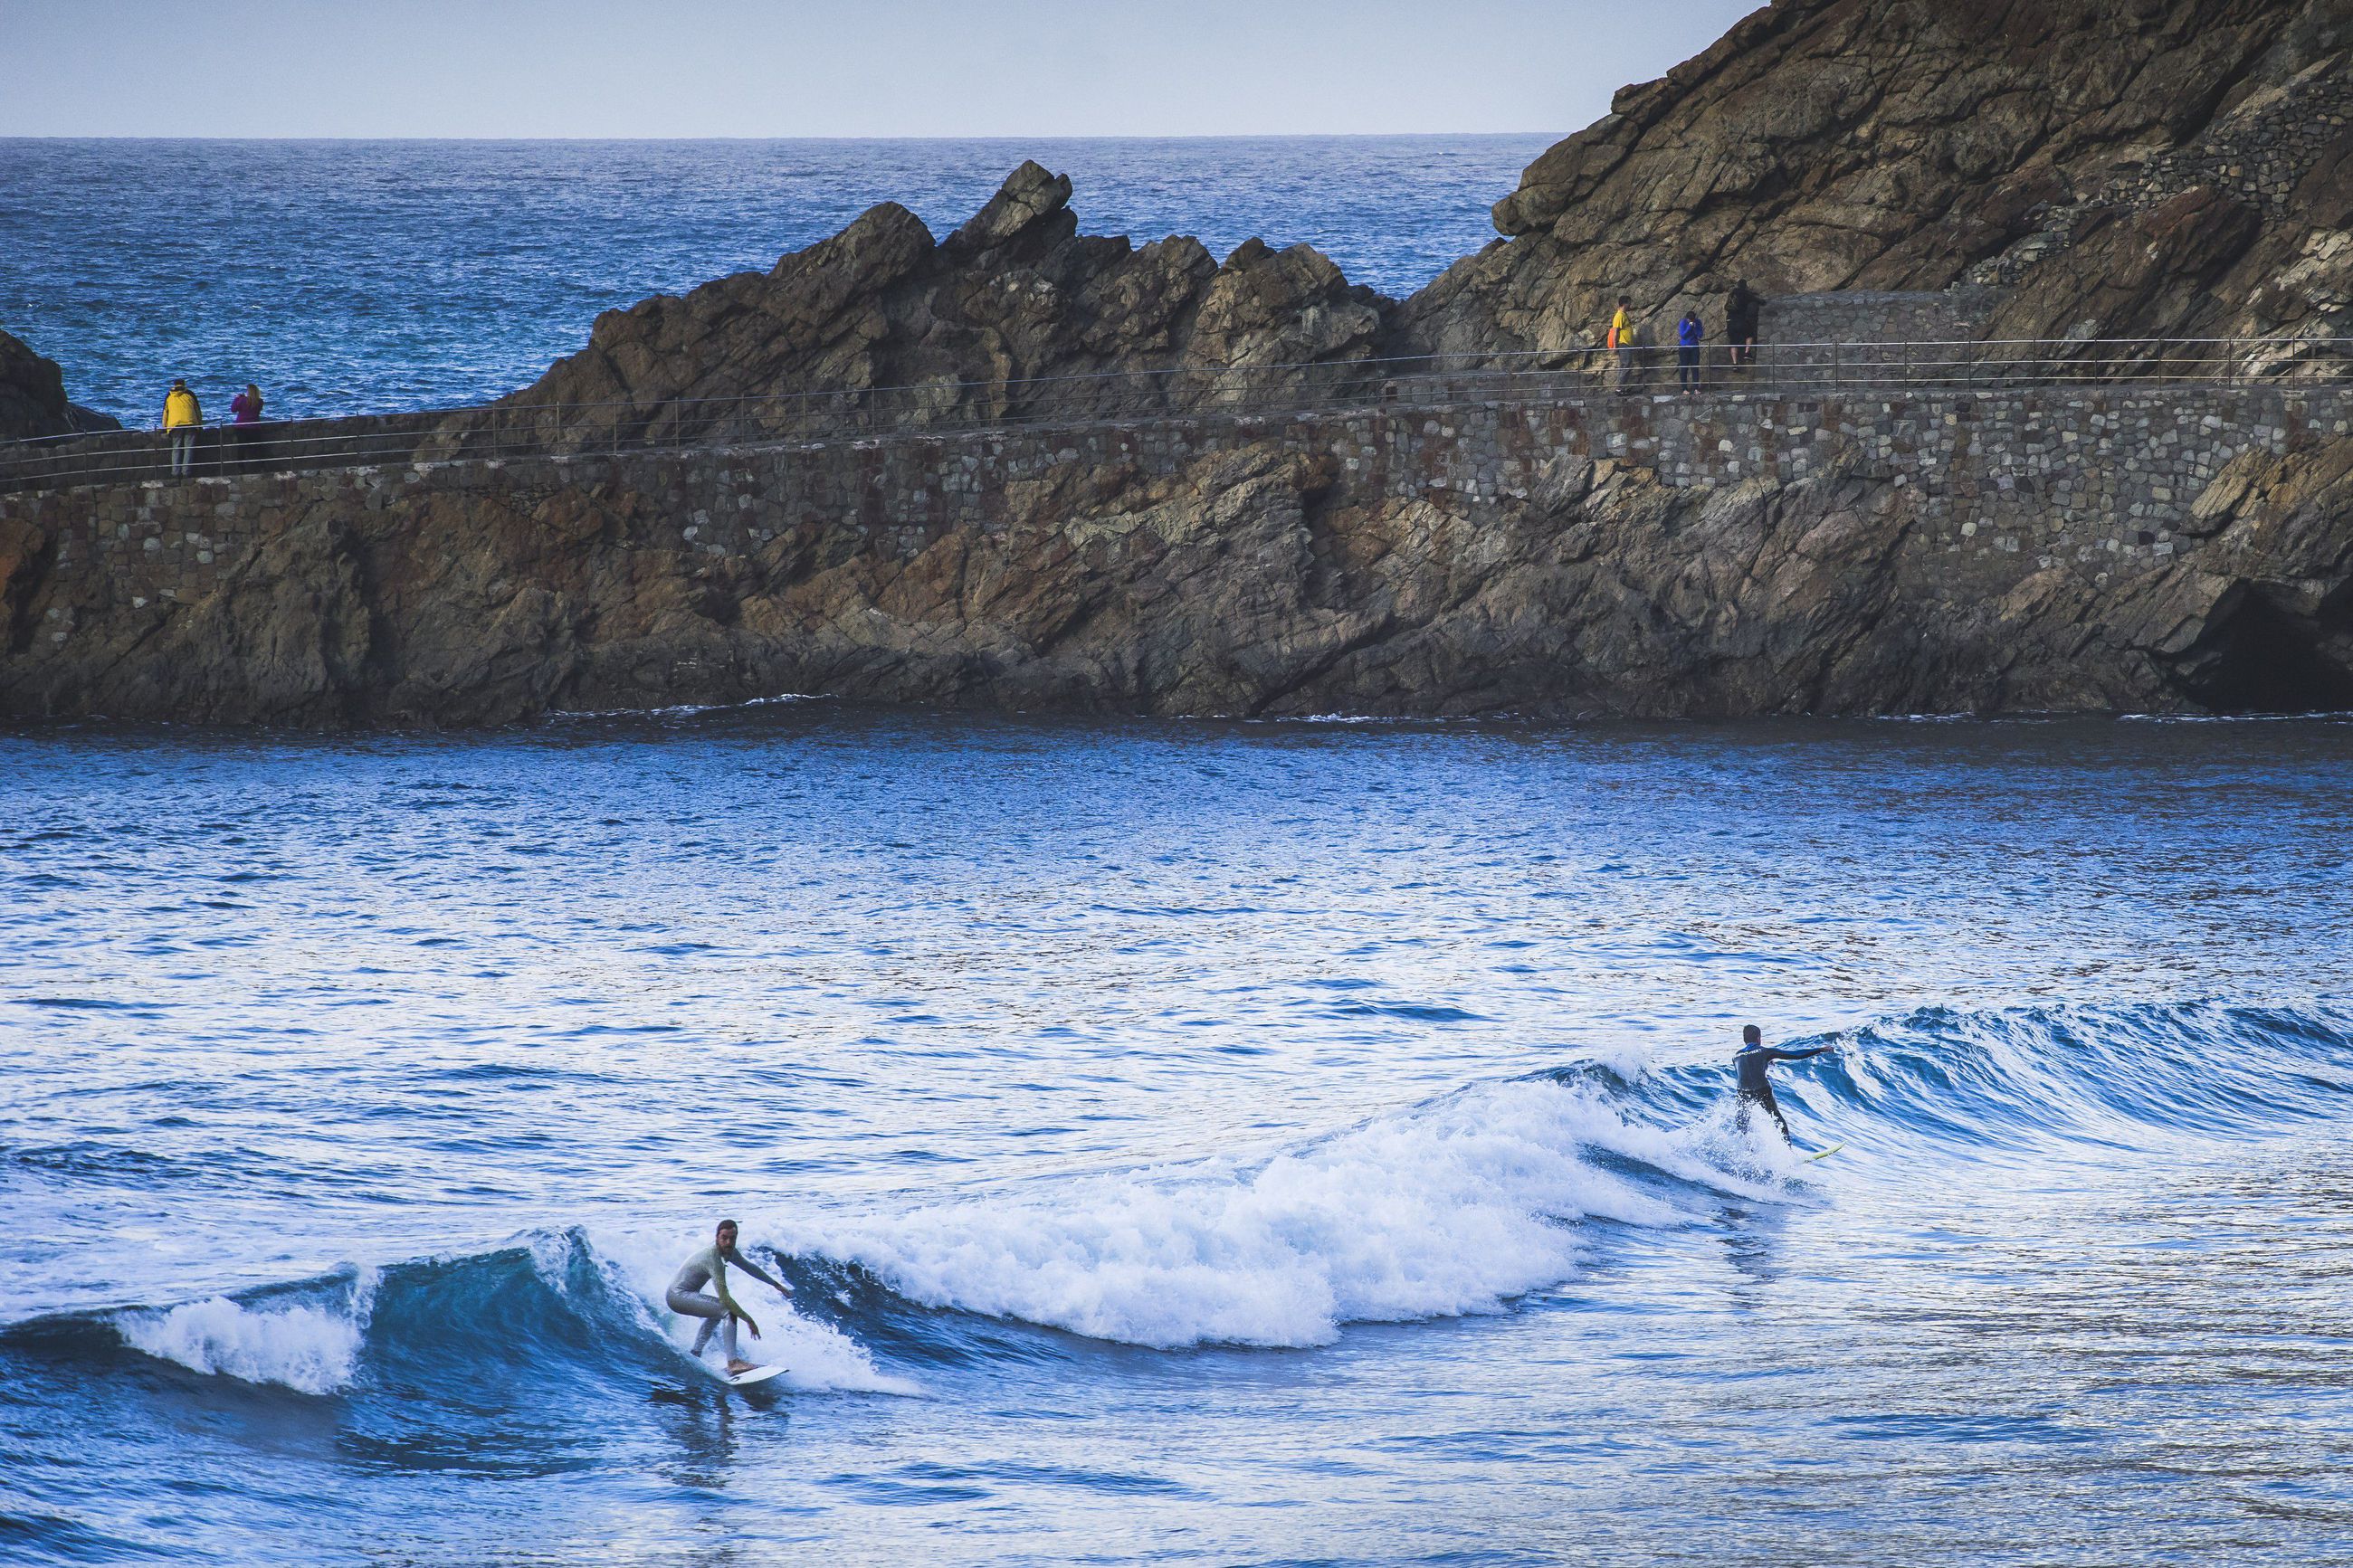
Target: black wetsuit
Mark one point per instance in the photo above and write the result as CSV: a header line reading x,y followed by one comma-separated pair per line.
x,y
1755,1086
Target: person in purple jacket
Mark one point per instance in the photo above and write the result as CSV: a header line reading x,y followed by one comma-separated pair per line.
x,y
244,412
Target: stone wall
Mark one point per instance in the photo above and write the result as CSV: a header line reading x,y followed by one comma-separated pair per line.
x,y
1876,317
2259,152
1831,339
1724,554
2103,481
2097,478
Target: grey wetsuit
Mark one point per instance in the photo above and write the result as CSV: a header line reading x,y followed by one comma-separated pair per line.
x,y
716,1307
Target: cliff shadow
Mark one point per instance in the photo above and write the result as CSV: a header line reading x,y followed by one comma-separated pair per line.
x,y
2265,656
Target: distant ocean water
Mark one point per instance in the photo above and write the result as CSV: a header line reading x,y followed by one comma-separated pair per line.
x,y
350,277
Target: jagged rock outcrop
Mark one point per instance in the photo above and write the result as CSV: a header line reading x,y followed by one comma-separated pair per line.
x,y
2078,168
1016,296
33,397
2149,169
2141,168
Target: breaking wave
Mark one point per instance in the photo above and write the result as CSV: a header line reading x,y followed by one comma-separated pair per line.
x,y
1485,1195
1459,1205
310,1348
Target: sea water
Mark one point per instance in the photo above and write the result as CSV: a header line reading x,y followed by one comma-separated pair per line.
x,y
1187,1143
367,276
1195,1143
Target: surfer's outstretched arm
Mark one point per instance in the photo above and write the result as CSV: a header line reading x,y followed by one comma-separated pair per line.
x,y
756,1272
1780,1056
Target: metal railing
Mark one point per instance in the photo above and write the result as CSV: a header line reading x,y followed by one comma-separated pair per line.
x,y
509,431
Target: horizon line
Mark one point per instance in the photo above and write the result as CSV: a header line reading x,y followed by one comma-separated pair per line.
x,y
1108,136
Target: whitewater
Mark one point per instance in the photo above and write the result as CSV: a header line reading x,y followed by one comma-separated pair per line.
x,y
1183,1141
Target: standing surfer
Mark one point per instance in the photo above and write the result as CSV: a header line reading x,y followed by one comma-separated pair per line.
x,y
716,1307
1756,1089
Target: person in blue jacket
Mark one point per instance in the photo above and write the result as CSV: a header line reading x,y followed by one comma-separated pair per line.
x,y
1756,1089
1689,335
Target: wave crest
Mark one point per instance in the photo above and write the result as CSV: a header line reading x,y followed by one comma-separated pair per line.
x,y
312,1349
1454,1209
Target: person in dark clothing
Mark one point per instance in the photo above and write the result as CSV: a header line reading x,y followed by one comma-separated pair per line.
x,y
1740,319
1756,1089
1689,335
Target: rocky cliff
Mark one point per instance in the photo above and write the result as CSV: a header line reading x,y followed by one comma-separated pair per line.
x,y
1016,313
2120,168
2095,169
1666,559
33,397
2081,167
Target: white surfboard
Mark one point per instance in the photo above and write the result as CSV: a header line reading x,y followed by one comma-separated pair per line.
x,y
1820,1154
742,1379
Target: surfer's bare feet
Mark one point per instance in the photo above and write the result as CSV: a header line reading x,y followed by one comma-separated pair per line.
x,y
737,1368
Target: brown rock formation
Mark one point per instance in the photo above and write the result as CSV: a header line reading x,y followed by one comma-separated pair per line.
x,y
2105,167
2154,168
1243,570
33,397
2051,145
1015,295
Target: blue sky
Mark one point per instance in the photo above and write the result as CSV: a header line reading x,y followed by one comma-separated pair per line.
x,y
851,68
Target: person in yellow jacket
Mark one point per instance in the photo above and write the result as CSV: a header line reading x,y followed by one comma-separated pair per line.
x,y
182,415
1621,341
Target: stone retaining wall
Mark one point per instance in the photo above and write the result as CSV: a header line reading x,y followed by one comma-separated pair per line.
x,y
2100,481
1876,320
2260,152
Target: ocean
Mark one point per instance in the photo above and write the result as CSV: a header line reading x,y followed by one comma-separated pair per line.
x,y
1184,1142
372,277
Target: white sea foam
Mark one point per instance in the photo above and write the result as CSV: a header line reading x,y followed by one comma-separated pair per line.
x,y
680,709
1453,1208
310,1348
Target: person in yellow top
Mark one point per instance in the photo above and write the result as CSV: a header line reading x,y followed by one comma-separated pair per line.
x,y
1621,341
182,415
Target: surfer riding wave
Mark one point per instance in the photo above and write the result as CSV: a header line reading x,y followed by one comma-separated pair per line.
x,y
1756,1089
718,1311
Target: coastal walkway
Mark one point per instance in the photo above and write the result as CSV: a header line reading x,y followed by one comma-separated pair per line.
x,y
507,432
1518,541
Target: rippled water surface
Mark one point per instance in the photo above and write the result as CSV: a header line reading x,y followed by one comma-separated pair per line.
x,y
359,276
1187,1143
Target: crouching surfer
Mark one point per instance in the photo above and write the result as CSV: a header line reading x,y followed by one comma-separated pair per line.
x,y
718,1311
1756,1089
